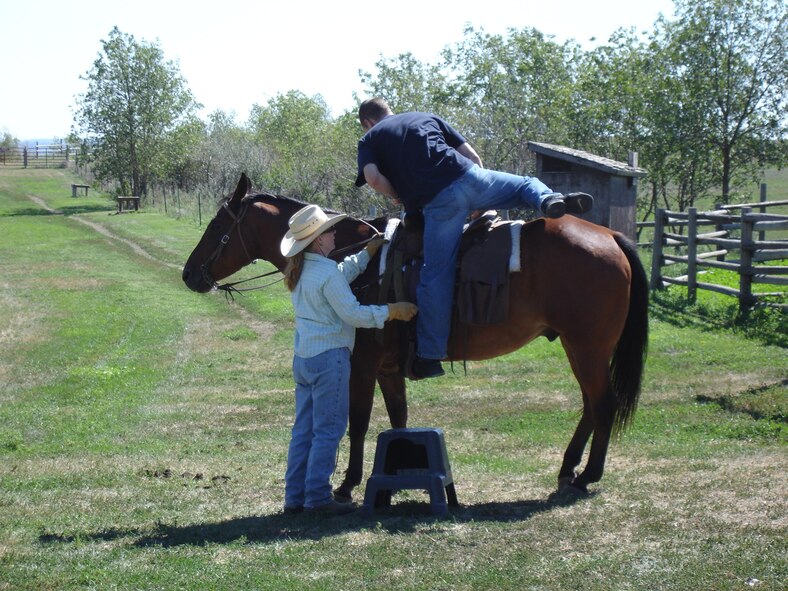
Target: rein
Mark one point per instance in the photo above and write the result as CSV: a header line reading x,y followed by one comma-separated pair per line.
x,y
230,289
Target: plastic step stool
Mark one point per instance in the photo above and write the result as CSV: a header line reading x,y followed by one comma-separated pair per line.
x,y
411,459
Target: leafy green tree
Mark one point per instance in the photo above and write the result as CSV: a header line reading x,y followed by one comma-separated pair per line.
x,y
408,84
135,99
508,90
729,63
296,131
609,110
7,140
226,151
179,163
626,98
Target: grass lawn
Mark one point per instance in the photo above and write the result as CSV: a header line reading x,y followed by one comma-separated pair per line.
x,y
144,429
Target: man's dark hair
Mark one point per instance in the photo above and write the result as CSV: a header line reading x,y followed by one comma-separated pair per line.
x,y
375,109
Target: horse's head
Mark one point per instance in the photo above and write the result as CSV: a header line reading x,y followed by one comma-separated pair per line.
x,y
246,228
251,226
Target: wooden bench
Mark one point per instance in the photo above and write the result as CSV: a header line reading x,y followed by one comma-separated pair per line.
x,y
76,188
127,203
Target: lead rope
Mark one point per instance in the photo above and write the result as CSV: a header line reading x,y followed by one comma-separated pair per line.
x,y
230,288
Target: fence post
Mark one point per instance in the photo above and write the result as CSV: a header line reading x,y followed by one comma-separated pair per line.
x,y
746,299
692,254
718,227
656,251
762,209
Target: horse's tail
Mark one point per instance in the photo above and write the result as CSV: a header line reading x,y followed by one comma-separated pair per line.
x,y
629,357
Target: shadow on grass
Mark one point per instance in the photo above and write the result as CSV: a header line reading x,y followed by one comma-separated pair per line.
x,y
766,325
406,517
65,211
28,211
767,402
78,209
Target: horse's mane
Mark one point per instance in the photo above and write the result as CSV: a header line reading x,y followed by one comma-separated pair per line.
x,y
260,196
273,198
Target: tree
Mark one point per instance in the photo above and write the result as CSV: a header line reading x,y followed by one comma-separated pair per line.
x,y
226,152
508,90
729,61
179,163
407,84
134,100
609,111
296,131
7,140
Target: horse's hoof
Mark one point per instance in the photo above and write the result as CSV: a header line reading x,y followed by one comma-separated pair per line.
x,y
579,490
341,496
569,486
564,482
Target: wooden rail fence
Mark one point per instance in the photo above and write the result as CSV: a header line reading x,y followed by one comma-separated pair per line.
x,y
729,232
38,156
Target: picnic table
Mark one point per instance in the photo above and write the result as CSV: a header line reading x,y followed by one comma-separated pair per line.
x,y
75,188
127,203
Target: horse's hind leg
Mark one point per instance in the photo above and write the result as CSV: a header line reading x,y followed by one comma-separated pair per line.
x,y
591,368
574,452
602,413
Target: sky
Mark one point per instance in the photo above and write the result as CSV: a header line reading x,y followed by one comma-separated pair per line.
x,y
237,53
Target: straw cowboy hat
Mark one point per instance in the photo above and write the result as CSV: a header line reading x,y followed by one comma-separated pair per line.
x,y
305,226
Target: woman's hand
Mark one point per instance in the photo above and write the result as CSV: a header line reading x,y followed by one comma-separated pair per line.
x,y
402,311
374,245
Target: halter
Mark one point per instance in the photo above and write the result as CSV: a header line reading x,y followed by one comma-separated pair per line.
x,y
217,252
229,288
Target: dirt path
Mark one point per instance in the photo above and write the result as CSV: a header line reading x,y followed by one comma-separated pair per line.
x,y
262,328
105,232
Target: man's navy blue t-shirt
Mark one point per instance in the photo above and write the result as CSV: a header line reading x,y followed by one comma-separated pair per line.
x,y
416,153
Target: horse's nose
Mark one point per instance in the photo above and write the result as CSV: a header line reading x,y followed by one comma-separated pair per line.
x,y
185,275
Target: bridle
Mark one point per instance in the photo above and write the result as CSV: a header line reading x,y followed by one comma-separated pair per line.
x,y
230,288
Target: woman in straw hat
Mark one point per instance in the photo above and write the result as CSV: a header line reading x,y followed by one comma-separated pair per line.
x,y
327,314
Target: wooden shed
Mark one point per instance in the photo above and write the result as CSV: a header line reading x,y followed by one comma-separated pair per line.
x,y
613,184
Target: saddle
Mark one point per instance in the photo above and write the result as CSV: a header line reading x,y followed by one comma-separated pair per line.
x,y
483,266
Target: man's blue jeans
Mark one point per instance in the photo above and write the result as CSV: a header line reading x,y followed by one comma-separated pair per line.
x,y
444,217
321,416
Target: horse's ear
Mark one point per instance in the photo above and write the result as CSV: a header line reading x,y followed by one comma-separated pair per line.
x,y
243,188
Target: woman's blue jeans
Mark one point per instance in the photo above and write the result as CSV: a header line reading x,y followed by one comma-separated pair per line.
x,y
444,217
321,416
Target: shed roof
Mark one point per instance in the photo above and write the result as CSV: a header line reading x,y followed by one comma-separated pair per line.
x,y
587,159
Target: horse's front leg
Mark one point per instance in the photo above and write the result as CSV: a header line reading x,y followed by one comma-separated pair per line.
x,y
362,390
392,385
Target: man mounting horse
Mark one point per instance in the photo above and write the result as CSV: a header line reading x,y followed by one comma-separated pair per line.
x,y
420,161
575,281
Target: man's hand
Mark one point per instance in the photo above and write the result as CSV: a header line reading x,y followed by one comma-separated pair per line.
x,y
379,182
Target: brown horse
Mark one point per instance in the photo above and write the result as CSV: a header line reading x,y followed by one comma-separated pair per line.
x,y
579,282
